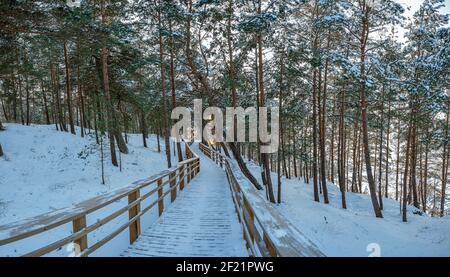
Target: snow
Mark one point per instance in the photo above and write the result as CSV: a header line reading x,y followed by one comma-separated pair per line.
x,y
47,173
44,170
356,231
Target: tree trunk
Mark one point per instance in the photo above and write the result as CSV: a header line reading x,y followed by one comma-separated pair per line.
x,y
243,167
405,176
323,113
1,129
371,181
27,99
46,112
445,160
314,131
280,106
380,156
397,171
80,93
172,82
68,88
163,91
414,162
425,177
264,156
355,163
20,101
333,133
144,129
105,77
55,84
388,136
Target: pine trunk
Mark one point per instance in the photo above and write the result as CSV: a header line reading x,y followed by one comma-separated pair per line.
x,y
68,88
163,91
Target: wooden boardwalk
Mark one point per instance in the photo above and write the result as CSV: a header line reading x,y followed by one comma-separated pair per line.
x,y
201,222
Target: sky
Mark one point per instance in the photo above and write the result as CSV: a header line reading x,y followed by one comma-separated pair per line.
x,y
411,6
415,4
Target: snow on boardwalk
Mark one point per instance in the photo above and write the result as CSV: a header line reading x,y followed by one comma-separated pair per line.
x,y
201,222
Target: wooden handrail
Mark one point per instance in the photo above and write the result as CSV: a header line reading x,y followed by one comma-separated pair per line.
x,y
266,231
77,214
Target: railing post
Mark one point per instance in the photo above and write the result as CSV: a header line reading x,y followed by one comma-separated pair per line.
x,y
270,247
189,168
182,167
249,218
173,183
160,194
78,224
135,227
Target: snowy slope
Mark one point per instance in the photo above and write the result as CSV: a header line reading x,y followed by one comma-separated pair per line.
x,y
44,170
356,231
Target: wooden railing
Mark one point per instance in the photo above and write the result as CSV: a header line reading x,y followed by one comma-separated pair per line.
x,y
175,177
266,231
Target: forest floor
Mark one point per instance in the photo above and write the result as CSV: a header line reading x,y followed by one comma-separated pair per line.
x,y
44,170
356,231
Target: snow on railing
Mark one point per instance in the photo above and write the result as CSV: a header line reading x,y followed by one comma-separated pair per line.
x,y
176,177
266,231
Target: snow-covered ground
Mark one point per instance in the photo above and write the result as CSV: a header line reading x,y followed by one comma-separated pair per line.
x,y
356,231
44,170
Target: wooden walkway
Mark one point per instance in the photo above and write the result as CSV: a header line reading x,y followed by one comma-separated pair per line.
x,y
201,222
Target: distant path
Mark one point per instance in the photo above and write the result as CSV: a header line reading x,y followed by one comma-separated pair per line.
x,y
201,222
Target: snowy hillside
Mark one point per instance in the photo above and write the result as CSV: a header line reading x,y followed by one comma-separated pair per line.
x,y
44,169
356,231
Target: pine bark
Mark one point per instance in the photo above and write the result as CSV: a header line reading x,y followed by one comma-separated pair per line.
x,y
363,104
172,83
163,90
267,180
323,112
80,93
68,88
314,127
445,163
105,78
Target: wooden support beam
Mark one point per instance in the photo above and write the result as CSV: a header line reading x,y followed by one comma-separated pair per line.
x,y
135,227
182,168
161,199
78,224
173,183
